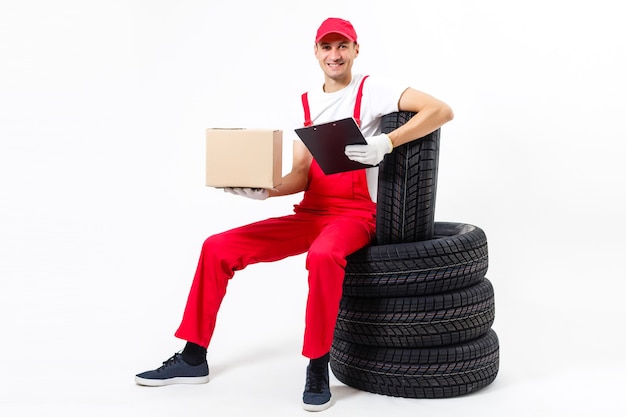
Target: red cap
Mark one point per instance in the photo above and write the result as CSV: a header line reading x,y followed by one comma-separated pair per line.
x,y
336,25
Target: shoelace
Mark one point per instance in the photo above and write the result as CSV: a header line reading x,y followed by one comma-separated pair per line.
x,y
316,380
171,361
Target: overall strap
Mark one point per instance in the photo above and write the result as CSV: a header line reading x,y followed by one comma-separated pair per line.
x,y
357,106
307,110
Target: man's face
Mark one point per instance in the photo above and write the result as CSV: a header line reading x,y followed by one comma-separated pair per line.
x,y
336,55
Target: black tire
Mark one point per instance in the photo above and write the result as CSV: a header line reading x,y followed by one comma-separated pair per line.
x,y
421,321
407,187
441,372
455,258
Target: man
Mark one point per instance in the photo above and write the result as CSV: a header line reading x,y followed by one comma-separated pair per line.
x,y
335,218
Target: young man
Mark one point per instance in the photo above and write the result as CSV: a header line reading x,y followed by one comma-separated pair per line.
x,y
335,218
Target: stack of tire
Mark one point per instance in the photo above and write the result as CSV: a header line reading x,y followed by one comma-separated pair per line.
x,y
416,313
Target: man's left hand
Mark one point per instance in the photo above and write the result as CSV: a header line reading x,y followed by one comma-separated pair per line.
x,y
372,153
253,193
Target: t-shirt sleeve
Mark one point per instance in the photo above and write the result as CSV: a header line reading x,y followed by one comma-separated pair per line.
x,y
382,94
295,121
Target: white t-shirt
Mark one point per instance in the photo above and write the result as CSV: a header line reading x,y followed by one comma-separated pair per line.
x,y
380,97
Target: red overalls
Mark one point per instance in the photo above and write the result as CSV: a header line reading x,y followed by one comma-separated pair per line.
x,y
335,218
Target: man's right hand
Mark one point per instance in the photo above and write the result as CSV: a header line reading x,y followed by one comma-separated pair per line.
x,y
253,193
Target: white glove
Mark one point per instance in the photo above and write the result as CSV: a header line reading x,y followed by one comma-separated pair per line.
x,y
372,153
253,193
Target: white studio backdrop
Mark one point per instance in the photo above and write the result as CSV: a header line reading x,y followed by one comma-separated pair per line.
x,y
103,107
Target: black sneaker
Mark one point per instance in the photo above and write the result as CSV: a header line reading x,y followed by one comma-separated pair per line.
x,y
316,396
174,371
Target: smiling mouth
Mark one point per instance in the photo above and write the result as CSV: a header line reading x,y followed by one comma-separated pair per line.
x,y
334,64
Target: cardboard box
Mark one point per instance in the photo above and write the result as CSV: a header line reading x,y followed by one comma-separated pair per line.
x,y
244,158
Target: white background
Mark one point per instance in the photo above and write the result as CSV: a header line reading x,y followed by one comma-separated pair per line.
x,y
103,208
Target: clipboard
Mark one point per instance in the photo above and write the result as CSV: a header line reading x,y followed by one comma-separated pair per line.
x,y
327,143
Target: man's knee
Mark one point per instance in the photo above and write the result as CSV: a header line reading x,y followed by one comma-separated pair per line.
x,y
212,242
324,258
219,247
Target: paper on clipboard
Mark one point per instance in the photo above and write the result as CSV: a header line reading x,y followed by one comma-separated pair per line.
x,y
327,143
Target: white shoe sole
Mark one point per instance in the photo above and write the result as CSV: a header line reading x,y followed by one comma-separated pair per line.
x,y
320,407
171,381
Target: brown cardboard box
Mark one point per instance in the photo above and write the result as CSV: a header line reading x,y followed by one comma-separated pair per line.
x,y
244,158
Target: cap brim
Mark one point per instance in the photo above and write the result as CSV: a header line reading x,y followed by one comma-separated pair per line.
x,y
345,35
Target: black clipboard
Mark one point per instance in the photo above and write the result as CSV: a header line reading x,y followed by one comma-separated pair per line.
x,y
327,143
